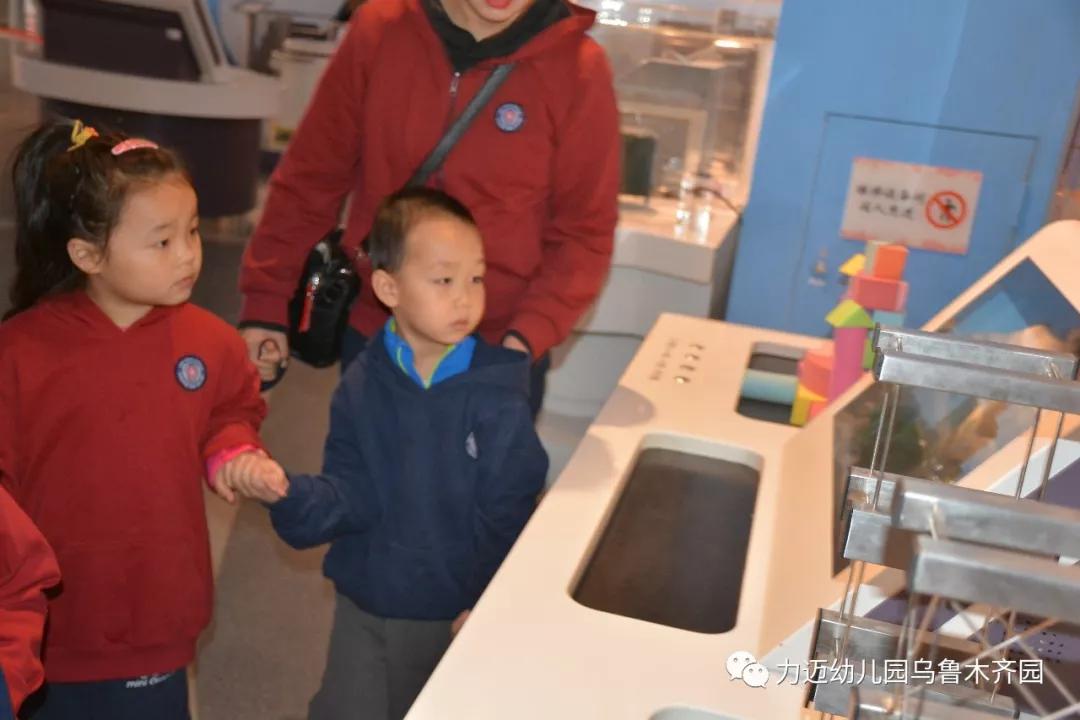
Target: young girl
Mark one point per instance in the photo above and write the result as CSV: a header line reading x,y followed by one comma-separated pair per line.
x,y
116,396
27,569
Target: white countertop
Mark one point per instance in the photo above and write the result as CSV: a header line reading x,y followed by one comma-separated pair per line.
x,y
649,237
530,651
242,94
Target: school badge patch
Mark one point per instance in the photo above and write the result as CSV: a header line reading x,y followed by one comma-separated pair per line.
x,y
509,117
191,372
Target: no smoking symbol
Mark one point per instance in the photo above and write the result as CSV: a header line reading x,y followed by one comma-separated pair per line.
x,y
946,210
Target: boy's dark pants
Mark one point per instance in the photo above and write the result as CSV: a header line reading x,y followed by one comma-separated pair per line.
x,y
376,666
354,343
160,697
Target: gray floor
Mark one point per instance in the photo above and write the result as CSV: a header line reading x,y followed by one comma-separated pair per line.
x,y
263,656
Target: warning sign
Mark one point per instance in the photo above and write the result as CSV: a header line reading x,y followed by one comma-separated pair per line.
x,y
921,206
946,209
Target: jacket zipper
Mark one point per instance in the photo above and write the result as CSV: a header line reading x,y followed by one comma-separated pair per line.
x,y
455,80
440,182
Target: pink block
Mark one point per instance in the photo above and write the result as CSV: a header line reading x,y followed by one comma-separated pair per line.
x,y
875,293
816,408
848,346
815,369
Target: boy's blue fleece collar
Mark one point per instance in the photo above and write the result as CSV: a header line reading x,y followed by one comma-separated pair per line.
x,y
454,361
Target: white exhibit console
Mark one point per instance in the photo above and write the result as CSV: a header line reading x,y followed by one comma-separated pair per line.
x,y
683,532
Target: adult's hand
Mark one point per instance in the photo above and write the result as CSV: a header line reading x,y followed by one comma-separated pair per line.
x,y
514,343
268,350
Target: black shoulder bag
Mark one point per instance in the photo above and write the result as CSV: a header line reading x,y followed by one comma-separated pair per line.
x,y
328,285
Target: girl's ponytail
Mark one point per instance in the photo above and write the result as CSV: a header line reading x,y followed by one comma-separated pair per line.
x,y
42,223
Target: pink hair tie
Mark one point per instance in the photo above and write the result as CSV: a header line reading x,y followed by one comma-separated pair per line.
x,y
132,144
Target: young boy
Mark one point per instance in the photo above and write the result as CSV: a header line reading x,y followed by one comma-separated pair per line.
x,y
431,468
27,569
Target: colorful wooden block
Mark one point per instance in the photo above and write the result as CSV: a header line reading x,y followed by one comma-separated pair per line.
x,y
868,354
889,262
849,313
816,408
800,409
854,265
872,248
770,387
878,293
815,370
848,347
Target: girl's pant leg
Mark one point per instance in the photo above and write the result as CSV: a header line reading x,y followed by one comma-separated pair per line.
x,y
162,697
354,682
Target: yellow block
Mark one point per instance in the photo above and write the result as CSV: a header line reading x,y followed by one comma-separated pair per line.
x,y
800,409
854,265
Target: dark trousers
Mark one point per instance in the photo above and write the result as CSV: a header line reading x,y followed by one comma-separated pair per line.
x,y
376,666
6,711
161,697
354,343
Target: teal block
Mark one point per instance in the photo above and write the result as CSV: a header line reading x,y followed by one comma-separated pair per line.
x,y
889,319
770,387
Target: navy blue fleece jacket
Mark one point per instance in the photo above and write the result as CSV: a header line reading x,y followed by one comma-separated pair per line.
x,y
423,491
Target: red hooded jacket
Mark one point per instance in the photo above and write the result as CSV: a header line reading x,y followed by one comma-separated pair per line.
x,y
27,569
538,168
104,436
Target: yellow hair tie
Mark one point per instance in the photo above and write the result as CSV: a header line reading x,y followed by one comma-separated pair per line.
x,y
80,134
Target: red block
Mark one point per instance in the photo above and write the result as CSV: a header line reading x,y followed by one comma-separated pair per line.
x,y
889,262
815,369
816,408
875,293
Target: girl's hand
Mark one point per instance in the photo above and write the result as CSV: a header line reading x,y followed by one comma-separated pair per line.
x,y
253,475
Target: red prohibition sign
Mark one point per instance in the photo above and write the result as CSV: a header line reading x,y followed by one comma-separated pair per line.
x,y
946,209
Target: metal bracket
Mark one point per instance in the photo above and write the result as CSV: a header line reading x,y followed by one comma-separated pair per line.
x,y
971,352
987,518
876,704
870,643
999,578
975,381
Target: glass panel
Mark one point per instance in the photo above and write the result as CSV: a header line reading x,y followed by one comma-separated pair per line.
x,y
685,78
941,436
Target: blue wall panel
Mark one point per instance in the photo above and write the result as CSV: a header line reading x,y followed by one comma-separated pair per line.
x,y
988,85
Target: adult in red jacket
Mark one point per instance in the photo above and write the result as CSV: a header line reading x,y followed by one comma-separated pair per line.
x,y
538,168
27,569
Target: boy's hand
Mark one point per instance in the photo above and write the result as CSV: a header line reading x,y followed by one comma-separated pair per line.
x,y
252,475
459,622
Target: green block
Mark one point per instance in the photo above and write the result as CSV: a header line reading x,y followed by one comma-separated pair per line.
x,y
868,354
849,314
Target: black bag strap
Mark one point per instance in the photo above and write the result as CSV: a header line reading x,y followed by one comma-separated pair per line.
x,y
438,154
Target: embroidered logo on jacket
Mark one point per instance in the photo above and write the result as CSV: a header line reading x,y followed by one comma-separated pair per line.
x,y
470,447
509,117
191,372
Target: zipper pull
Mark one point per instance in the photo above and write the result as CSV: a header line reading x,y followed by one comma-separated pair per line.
x,y
309,303
454,83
